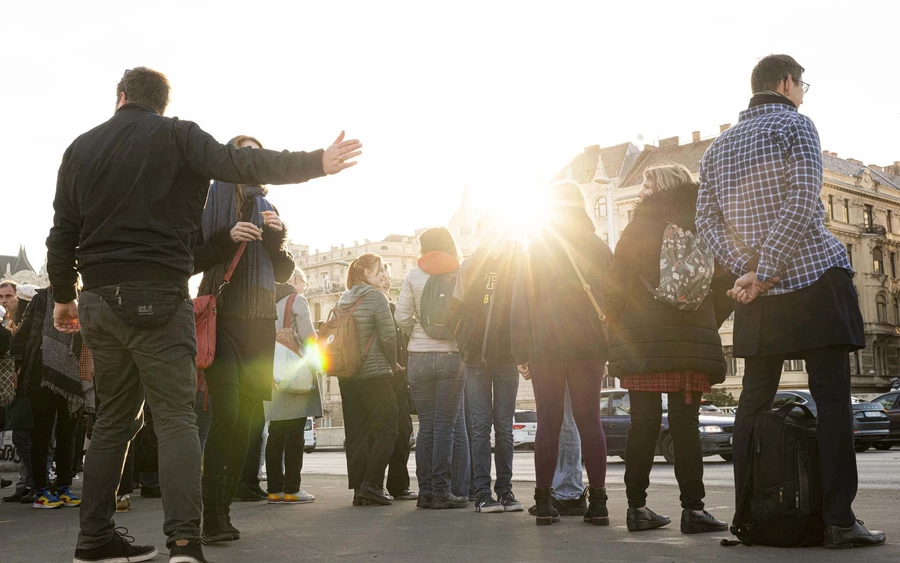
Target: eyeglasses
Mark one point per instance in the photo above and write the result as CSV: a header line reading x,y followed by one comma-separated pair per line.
x,y
803,85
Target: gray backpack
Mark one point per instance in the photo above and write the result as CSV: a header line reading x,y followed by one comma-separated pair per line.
x,y
686,268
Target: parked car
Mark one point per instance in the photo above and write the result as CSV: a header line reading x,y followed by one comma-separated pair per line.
x,y
524,429
870,420
891,403
309,435
615,413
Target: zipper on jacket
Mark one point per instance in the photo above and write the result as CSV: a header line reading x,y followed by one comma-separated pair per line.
x,y
118,297
781,495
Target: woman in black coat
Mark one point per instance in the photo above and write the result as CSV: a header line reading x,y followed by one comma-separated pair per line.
x,y
657,348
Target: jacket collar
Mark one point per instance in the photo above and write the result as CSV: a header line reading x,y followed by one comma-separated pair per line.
x,y
676,205
137,107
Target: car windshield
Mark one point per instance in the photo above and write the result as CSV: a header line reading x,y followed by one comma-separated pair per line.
x,y
526,416
308,424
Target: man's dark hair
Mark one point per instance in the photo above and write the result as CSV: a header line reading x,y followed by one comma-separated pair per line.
x,y
771,70
440,239
143,85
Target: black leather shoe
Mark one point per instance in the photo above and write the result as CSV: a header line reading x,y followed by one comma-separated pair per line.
x,y
4,483
424,501
692,523
18,495
263,495
856,535
244,493
640,519
406,495
439,502
373,494
597,513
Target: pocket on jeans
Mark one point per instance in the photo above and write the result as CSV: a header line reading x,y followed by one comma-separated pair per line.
x,y
449,366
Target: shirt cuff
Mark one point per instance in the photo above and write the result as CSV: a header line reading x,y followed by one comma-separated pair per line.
x,y
64,293
766,271
743,263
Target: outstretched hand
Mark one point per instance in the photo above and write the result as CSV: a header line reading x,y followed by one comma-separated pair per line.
x,y
339,156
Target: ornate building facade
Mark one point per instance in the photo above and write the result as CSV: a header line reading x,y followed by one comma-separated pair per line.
x,y
862,208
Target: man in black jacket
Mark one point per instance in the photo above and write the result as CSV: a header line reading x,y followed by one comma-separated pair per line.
x,y
482,299
129,199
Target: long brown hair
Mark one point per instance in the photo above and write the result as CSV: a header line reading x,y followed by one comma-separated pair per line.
x,y
356,274
239,197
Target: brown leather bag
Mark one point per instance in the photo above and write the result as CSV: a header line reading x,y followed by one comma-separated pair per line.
x,y
205,316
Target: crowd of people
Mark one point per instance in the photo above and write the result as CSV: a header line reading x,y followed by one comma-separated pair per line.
x,y
113,339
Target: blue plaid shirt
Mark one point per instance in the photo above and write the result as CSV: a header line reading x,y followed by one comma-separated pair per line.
x,y
759,196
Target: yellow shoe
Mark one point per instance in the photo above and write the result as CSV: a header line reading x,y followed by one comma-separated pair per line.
x,y
68,497
46,499
300,497
276,498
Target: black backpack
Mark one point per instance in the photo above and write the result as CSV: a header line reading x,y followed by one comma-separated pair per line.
x,y
434,313
781,503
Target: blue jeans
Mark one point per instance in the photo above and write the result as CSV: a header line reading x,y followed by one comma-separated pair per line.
x,y
461,472
491,392
568,481
437,383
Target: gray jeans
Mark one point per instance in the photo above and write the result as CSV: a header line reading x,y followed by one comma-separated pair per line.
x,y
128,361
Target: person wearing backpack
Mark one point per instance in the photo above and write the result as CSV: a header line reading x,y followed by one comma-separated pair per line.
x,y
557,339
367,394
656,347
482,301
436,378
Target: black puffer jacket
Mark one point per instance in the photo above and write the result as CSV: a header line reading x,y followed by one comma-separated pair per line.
x,y
648,336
373,316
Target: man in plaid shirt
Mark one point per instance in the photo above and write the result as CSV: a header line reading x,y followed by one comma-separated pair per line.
x,y
759,208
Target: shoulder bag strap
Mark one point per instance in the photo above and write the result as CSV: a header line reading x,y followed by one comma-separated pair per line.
x,y
289,310
231,267
584,283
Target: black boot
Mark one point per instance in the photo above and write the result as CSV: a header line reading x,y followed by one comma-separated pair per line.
x,y
640,519
596,513
370,494
229,490
544,512
214,528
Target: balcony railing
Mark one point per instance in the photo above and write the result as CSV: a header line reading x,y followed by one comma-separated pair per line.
x,y
879,230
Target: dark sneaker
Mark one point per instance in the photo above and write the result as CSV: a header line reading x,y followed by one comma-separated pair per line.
x,y
190,553
18,495
640,519
856,535
258,490
370,494
510,503
693,523
27,499
486,503
120,548
4,483
424,501
407,495
151,492
449,500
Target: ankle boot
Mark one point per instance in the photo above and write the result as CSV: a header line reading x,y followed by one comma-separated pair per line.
x,y
596,513
228,491
214,528
544,512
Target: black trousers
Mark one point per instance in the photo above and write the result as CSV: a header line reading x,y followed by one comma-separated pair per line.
x,y
49,408
250,474
646,416
370,428
229,432
829,383
398,472
285,444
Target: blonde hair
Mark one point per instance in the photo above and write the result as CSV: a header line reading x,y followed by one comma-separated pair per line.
x,y
664,176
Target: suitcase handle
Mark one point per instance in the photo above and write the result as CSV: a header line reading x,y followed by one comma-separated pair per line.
x,y
786,410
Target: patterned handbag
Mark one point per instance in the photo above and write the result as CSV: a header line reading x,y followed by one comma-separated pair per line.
x,y
686,268
7,381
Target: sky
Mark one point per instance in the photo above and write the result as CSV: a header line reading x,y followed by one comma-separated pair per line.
x,y
492,94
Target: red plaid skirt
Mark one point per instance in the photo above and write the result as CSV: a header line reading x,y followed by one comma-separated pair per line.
x,y
667,382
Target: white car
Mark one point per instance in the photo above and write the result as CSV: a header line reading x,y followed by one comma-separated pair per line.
x,y
524,428
309,435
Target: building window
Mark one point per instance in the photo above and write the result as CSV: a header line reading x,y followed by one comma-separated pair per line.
x,y
384,249
850,254
831,207
846,210
600,207
881,308
890,221
896,312
868,219
878,260
893,264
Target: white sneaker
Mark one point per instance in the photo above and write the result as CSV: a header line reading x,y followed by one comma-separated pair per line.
x,y
300,497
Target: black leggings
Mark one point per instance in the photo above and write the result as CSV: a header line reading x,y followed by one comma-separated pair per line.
x,y
47,408
286,440
229,432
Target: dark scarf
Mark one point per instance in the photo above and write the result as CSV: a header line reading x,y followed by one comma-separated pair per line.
x,y
769,97
61,354
221,214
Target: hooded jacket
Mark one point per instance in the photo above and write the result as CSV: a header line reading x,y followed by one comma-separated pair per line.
x,y
649,336
552,318
408,305
482,304
372,316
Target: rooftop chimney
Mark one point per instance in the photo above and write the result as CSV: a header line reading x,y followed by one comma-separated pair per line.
x,y
668,142
876,167
695,136
854,161
724,127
